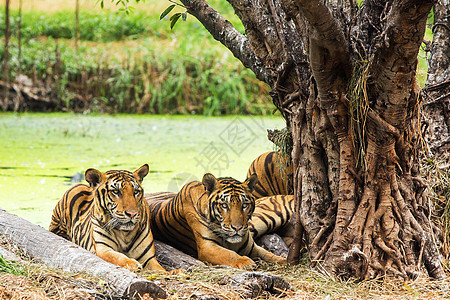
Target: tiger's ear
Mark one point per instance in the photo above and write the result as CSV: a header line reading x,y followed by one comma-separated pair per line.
x,y
210,182
251,182
94,177
141,172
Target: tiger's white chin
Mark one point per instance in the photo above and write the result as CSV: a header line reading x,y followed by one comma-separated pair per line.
x,y
234,239
127,227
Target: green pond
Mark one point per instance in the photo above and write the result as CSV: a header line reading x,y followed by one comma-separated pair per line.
x,y
41,154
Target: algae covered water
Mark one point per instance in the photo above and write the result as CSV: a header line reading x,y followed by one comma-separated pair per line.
x,y
42,155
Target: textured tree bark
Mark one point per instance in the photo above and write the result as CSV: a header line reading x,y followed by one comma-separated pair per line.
x,y
344,78
57,252
437,90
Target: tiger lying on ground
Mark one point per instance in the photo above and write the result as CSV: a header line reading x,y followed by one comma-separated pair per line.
x,y
272,215
273,177
209,219
109,218
275,202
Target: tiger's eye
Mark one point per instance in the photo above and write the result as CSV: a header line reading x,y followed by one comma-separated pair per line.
x,y
224,205
245,205
137,192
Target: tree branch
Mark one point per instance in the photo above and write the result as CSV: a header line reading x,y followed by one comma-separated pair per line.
x,y
330,61
395,61
223,31
327,35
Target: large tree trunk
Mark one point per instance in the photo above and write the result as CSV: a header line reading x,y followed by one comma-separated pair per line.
x,y
57,252
344,78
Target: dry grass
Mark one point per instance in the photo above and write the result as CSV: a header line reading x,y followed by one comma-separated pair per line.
x,y
437,172
41,282
308,284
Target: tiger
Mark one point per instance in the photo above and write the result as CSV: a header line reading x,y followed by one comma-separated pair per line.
x,y
272,215
274,193
109,218
274,173
209,220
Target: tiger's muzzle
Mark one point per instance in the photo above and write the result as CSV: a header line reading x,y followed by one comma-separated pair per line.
x,y
234,234
127,222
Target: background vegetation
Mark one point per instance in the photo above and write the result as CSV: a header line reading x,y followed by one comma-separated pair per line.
x,y
127,63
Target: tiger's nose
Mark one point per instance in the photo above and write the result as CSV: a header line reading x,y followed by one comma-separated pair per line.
x,y
236,227
130,213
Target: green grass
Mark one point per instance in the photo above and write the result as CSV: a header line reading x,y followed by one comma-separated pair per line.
x,y
104,25
11,267
136,76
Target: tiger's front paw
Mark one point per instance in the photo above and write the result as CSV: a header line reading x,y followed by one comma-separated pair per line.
x,y
175,272
243,262
132,265
279,260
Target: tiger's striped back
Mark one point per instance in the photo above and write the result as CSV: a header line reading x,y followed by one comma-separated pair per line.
x,y
272,215
274,175
72,214
168,220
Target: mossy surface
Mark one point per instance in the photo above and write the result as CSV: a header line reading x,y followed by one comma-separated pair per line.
x,y
40,153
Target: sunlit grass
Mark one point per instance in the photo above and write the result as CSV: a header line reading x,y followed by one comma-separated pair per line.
x,y
11,267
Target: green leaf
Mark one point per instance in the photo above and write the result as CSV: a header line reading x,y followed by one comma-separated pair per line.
x,y
175,16
101,4
173,19
184,16
167,11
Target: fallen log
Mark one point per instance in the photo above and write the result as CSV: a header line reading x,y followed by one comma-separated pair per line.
x,y
171,258
57,252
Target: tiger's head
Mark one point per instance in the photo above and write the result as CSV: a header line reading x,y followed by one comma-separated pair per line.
x,y
118,197
230,206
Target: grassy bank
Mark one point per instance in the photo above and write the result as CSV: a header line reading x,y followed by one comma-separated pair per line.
x,y
129,63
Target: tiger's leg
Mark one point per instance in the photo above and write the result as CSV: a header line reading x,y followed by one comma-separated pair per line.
x,y
108,254
145,251
217,255
208,250
260,252
254,251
